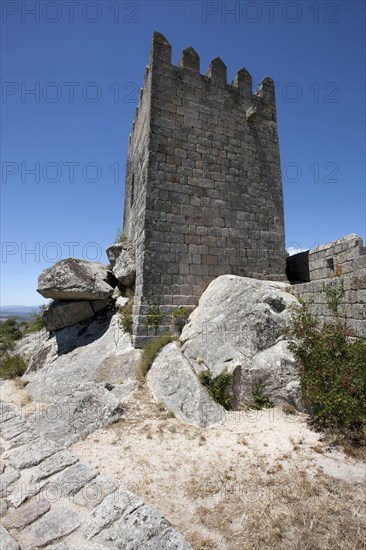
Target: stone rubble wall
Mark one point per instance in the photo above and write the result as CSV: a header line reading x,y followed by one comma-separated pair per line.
x,y
341,260
208,198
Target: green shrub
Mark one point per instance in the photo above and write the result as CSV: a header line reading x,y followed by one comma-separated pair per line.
x,y
12,366
180,316
332,373
36,319
126,320
334,296
259,399
217,387
149,351
154,316
9,334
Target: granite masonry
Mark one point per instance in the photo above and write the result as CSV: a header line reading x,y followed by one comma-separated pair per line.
x,y
336,264
203,193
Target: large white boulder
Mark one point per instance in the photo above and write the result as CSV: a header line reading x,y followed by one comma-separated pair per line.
x,y
73,279
238,327
174,383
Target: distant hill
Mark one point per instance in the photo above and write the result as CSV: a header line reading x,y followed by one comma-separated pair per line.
x,y
21,313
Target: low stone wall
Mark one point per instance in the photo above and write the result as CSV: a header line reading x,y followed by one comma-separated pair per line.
x,y
353,303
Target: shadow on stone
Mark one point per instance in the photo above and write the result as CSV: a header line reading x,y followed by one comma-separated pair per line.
x,y
83,333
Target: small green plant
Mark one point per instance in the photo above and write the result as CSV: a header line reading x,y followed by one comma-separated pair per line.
x,y
9,334
332,372
180,316
36,319
126,320
120,235
217,387
12,366
154,316
259,399
334,296
149,351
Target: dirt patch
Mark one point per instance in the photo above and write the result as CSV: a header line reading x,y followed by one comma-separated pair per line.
x,y
258,480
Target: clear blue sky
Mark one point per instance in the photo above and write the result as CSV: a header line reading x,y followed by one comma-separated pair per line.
x,y
87,67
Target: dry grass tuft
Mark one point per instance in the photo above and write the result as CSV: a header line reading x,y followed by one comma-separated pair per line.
x,y
283,510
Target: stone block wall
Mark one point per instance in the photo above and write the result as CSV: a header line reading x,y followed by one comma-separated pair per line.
x,y
203,186
341,260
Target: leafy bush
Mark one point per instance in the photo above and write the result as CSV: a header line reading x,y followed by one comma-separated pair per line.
x,y
259,399
36,319
12,366
217,387
332,370
154,316
149,351
180,316
9,334
126,320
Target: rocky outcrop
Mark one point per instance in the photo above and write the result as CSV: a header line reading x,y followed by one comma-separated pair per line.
x,y
238,327
80,289
174,383
122,259
73,279
99,351
63,314
275,373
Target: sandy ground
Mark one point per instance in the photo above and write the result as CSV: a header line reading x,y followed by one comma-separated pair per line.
x,y
261,479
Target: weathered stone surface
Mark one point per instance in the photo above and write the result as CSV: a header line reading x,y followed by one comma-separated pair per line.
x,y
26,514
7,412
94,492
53,464
237,318
174,383
117,504
22,439
91,345
122,259
28,344
91,406
116,370
143,528
52,527
43,353
124,391
3,507
71,480
64,314
7,478
12,429
33,453
73,279
276,372
7,541
77,542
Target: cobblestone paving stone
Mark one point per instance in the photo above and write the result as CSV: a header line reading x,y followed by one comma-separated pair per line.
x,y
49,499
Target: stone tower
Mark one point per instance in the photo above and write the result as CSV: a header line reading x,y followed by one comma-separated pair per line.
x,y
203,192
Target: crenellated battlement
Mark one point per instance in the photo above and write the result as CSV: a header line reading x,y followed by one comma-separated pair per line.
x,y
203,191
160,63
